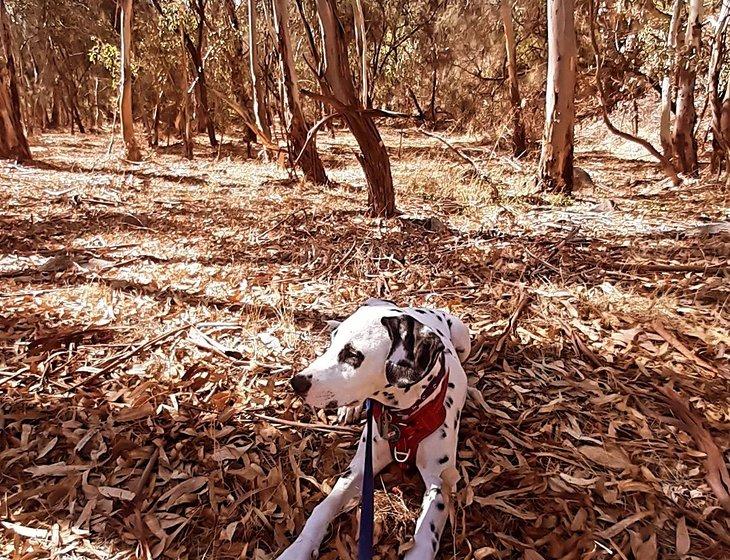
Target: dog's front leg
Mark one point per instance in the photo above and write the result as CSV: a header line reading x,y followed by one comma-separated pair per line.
x,y
435,454
347,487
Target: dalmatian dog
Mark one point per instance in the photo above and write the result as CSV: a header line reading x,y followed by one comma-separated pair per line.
x,y
393,355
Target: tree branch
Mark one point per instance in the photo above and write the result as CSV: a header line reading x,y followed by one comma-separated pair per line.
x,y
666,165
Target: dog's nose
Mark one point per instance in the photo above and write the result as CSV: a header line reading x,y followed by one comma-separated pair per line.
x,y
300,384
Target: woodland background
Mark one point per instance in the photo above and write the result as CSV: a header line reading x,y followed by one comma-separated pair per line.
x,y
190,189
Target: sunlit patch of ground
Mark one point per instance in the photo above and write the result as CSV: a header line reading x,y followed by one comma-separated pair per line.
x,y
150,316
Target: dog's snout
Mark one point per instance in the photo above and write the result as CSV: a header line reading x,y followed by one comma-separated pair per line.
x,y
301,384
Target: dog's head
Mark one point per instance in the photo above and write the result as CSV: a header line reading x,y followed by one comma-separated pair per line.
x,y
374,349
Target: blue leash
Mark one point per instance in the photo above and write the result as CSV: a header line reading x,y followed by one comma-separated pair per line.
x,y
367,513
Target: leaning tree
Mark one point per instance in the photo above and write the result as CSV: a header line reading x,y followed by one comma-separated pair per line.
x,y
305,153
339,91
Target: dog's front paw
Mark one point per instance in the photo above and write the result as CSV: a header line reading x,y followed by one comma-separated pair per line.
x,y
348,414
299,550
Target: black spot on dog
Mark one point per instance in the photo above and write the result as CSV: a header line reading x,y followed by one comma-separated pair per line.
x,y
448,402
376,393
456,422
448,322
440,506
348,472
443,459
438,491
421,311
363,439
308,376
395,402
451,385
443,434
348,355
435,544
440,317
433,527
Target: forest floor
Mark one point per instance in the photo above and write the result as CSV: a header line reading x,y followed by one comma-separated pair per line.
x,y
151,315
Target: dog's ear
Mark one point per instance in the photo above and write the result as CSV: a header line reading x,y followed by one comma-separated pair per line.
x,y
332,324
413,351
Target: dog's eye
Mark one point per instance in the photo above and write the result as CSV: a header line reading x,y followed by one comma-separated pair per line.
x,y
348,355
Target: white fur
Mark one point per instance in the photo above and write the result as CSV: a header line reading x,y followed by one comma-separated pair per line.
x,y
334,382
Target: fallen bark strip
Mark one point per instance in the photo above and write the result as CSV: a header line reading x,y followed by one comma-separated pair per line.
x,y
651,267
717,473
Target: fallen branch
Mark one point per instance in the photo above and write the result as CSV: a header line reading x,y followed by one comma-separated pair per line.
x,y
690,267
316,426
717,473
115,361
263,138
481,174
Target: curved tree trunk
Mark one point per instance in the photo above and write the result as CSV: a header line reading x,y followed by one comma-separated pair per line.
x,y
131,148
519,143
13,143
338,79
684,142
297,124
556,159
259,93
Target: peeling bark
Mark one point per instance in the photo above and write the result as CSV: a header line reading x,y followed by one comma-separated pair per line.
x,y
556,159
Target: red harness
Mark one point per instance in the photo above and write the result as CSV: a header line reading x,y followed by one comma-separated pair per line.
x,y
406,429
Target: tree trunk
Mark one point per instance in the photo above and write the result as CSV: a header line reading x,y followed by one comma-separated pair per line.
x,y
338,80
196,55
236,63
719,143
684,142
518,128
259,92
131,148
13,143
556,159
725,124
297,124
362,49
665,121
186,127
